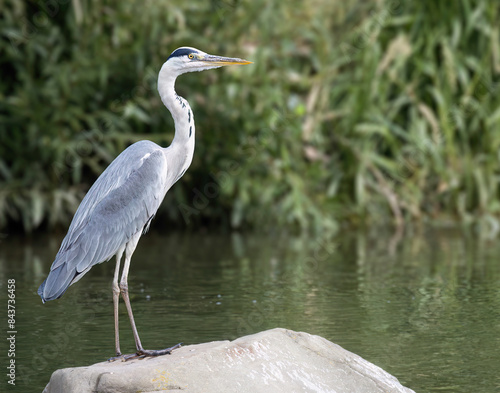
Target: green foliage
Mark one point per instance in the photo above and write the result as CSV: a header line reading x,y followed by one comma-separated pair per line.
x,y
383,112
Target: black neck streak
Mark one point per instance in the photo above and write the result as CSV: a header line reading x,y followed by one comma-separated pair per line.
x,y
181,101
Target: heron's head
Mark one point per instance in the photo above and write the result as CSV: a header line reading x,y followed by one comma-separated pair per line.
x,y
188,59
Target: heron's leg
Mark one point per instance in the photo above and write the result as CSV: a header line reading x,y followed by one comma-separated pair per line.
x,y
131,245
116,300
141,352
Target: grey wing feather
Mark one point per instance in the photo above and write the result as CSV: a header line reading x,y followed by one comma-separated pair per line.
x,y
120,203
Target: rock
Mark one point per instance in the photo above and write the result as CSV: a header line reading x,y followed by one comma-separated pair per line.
x,y
276,360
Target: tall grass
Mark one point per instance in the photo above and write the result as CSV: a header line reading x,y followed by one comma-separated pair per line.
x,y
351,112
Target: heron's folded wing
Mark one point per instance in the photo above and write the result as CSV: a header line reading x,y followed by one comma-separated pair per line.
x,y
112,221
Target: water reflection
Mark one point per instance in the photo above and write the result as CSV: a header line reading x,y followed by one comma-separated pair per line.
x,y
425,309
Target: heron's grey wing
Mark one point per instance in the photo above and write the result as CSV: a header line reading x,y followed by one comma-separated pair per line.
x,y
115,175
111,219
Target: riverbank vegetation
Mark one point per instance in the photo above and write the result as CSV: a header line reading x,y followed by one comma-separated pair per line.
x,y
353,112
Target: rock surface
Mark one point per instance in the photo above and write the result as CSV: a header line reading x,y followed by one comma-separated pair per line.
x,y
276,360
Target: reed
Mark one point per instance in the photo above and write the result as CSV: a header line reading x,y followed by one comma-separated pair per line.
x,y
385,112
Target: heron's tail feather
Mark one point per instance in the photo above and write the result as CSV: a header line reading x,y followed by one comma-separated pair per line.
x,y
40,290
62,273
56,283
69,266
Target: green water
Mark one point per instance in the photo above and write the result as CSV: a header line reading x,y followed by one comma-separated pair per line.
x,y
426,308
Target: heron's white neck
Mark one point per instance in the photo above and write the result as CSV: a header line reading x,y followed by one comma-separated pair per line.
x,y
183,142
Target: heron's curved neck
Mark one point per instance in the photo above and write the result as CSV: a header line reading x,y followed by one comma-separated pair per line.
x,y
181,149
179,108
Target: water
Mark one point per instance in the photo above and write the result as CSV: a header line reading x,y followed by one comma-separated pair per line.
x,y
426,308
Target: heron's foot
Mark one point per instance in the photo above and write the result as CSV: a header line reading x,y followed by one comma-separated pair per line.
x,y
118,356
143,353
160,352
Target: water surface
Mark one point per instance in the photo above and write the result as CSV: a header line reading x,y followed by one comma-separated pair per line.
x,y
426,309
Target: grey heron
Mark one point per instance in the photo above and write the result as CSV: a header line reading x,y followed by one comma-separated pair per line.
x,y
120,205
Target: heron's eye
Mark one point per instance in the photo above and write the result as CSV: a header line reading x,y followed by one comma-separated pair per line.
x,y
191,56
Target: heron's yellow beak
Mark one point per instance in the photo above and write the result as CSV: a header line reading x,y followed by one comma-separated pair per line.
x,y
222,61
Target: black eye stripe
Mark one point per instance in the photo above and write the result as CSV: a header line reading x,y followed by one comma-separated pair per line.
x,y
180,52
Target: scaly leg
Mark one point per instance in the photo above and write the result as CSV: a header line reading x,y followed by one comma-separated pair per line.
x,y
116,299
141,352
131,245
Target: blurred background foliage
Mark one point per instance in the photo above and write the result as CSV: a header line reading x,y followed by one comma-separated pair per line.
x,y
353,111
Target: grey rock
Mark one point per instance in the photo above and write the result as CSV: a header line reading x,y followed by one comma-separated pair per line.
x,y
276,360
